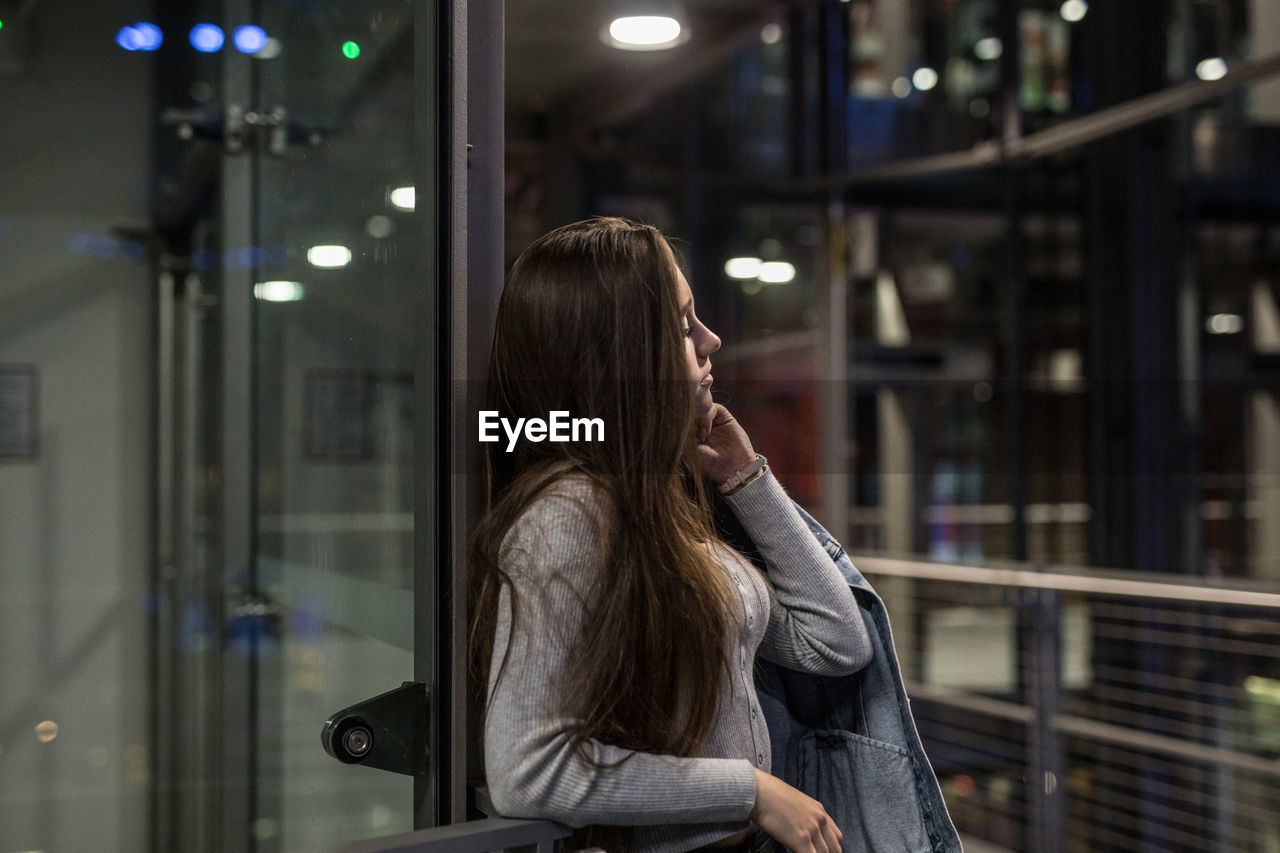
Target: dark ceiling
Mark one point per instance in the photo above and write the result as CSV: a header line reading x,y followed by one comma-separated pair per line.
x,y
556,61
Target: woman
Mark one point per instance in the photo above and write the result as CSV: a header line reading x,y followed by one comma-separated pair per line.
x,y
618,631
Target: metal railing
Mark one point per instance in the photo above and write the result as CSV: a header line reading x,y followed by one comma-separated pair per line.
x,y
1068,709
477,836
1063,710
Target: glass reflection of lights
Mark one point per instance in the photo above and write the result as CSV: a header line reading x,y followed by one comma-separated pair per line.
x,y
402,198
46,730
901,87
643,32
742,268
1074,11
350,49
273,48
279,291
142,36
329,257
1224,324
924,78
207,38
249,38
988,48
776,272
1214,68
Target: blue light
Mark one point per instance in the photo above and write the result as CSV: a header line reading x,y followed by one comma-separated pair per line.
x,y
149,35
141,36
249,39
207,38
127,38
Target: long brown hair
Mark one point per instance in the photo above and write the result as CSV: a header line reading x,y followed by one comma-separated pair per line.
x,y
589,323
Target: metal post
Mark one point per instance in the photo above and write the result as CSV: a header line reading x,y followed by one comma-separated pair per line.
x,y
1042,656
237,733
473,334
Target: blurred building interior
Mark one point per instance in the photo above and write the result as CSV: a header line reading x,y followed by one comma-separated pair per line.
x,y
997,281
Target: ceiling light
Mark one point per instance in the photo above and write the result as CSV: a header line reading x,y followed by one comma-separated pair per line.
x,y
1073,11
1214,68
776,272
143,35
206,38
271,49
402,198
278,291
742,267
644,32
1225,324
988,48
249,38
924,78
329,257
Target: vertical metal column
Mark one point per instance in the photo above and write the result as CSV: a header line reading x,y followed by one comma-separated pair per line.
x,y
834,397
473,335
1013,297
440,113
1041,619
237,732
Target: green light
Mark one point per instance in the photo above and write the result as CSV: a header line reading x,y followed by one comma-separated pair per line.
x,y
350,49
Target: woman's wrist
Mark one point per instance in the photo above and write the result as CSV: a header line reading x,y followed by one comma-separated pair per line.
x,y
753,470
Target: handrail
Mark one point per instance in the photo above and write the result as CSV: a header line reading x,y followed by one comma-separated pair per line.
x,y
1066,579
1070,134
476,836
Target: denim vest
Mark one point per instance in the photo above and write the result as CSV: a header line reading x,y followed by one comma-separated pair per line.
x,y
850,741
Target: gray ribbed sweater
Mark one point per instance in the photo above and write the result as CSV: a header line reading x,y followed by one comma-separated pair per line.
x,y
803,617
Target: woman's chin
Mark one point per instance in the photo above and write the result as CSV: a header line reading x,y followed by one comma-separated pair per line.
x,y
702,403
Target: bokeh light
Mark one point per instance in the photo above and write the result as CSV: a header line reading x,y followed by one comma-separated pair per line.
x,y
249,38
207,38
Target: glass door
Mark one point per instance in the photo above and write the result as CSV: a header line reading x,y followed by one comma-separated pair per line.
x,y
335,338
300,335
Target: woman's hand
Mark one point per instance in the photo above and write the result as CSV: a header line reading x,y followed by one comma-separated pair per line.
x,y
723,446
792,818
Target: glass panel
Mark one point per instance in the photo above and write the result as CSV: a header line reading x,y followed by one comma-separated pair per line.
x,y
333,369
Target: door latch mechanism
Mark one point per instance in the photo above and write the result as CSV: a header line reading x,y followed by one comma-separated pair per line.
x,y
388,732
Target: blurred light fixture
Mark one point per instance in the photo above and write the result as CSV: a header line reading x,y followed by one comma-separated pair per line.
x,y
207,38
141,36
659,30
271,49
776,272
402,198
988,48
1214,68
924,78
901,87
1224,324
328,257
350,49
249,38
379,226
278,291
742,267
1073,11
771,33
1263,688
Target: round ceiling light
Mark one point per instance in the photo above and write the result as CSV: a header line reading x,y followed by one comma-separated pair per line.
x,y
644,32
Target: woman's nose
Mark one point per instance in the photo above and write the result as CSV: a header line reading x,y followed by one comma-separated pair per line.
x,y
710,342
